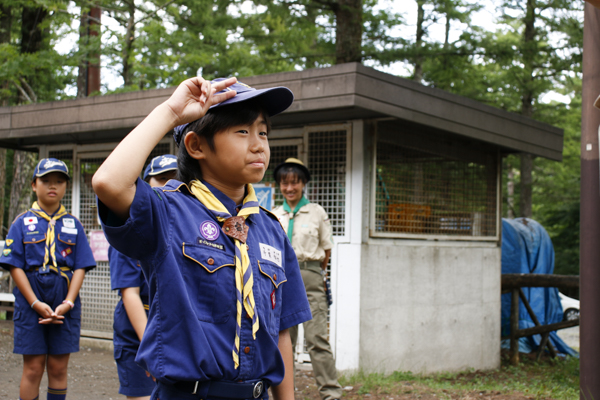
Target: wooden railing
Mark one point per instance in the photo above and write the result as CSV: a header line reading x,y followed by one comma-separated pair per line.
x,y
512,283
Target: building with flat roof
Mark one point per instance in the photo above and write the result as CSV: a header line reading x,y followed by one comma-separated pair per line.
x,y
409,175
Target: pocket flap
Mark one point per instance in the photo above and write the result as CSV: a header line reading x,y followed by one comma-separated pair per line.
x,y
209,260
68,238
34,238
275,273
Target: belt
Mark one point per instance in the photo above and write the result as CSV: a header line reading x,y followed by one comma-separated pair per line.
x,y
310,265
228,390
58,270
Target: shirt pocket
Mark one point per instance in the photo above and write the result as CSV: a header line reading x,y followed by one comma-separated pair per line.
x,y
65,248
209,278
307,235
35,249
271,280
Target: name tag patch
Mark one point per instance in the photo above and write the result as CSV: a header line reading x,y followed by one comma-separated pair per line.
x,y
72,231
270,253
30,220
68,222
212,245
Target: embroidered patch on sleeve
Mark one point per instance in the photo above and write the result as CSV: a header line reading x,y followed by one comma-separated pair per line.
x,y
8,242
6,252
270,253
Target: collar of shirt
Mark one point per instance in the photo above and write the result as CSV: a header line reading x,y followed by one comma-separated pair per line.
x,y
227,202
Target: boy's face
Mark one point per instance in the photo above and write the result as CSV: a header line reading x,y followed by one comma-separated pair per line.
x,y
161,179
241,155
50,189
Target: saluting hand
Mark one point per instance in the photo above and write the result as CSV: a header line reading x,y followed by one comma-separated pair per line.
x,y
193,97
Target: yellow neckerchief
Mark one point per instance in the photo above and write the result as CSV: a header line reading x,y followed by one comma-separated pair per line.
x,y
50,253
243,270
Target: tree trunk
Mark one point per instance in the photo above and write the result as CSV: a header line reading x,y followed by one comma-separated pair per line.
x,y
5,28
128,46
510,188
2,192
348,32
84,34
32,36
418,71
20,190
525,206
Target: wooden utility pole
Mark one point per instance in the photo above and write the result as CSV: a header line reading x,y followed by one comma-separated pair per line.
x,y
590,209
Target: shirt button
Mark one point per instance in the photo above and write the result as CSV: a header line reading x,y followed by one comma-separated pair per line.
x,y
210,261
275,276
247,350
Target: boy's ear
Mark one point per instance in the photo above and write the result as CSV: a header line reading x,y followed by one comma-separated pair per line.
x,y
195,145
33,185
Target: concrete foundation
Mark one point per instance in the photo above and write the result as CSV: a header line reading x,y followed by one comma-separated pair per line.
x,y
428,307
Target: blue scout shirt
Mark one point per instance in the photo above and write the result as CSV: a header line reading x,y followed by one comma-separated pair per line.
x,y
25,246
189,264
125,272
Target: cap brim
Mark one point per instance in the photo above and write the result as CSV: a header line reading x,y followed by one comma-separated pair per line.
x,y
275,100
154,173
52,170
597,103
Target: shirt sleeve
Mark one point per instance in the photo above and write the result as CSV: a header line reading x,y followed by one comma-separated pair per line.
x,y
84,257
13,254
295,307
325,239
145,233
124,271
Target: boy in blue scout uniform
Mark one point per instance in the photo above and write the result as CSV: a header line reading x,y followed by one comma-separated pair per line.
x,y
224,281
131,310
47,253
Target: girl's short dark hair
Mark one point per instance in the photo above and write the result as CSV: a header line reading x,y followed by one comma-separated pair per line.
x,y
215,121
290,170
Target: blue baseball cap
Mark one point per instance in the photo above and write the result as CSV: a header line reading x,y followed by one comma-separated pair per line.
x,y
47,165
161,164
275,100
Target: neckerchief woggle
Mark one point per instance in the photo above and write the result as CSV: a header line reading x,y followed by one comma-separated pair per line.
x,y
243,270
50,252
303,201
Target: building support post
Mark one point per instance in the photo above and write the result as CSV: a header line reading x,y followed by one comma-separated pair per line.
x,y
590,210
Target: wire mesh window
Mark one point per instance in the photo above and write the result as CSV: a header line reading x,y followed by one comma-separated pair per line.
x,y
67,157
421,193
327,164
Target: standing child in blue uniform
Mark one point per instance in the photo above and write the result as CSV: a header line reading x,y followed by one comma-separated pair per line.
x,y
47,253
224,281
131,312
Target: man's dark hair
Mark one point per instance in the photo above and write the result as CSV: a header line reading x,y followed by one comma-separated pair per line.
x,y
290,170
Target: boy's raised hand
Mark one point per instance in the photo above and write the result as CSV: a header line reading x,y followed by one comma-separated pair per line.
x,y
193,97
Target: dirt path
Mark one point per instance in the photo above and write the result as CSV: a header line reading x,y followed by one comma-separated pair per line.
x,y
93,376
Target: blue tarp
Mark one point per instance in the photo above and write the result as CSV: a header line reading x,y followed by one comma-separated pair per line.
x,y
527,249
